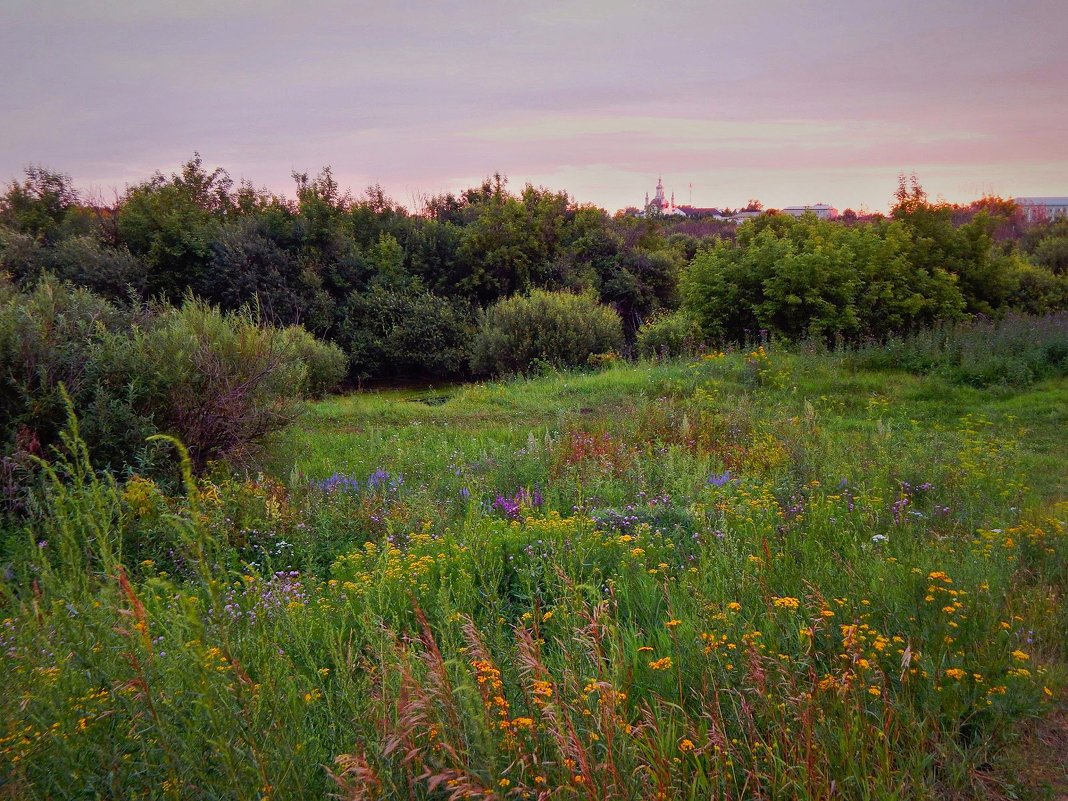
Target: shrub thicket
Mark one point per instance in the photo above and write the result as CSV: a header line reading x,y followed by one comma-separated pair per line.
x,y
676,334
326,363
800,278
404,333
398,289
219,382
552,329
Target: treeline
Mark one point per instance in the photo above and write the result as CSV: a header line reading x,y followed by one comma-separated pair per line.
x,y
400,292
406,293
795,278
857,282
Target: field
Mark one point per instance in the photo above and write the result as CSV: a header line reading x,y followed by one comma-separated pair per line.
x,y
750,575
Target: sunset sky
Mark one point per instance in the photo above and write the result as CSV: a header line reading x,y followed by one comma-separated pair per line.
x,y
789,102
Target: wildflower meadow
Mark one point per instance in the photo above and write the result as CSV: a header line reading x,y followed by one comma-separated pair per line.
x,y
754,574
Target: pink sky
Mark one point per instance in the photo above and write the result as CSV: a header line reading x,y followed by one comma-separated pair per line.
x,y
789,102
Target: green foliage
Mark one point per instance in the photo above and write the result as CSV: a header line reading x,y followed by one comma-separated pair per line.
x,y
1016,351
219,381
1036,289
22,258
840,585
1051,252
251,267
54,336
555,329
228,381
669,335
172,223
113,273
404,333
377,278
639,284
809,277
326,363
44,206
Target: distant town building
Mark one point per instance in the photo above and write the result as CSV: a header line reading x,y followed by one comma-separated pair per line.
x,y
700,213
821,210
659,205
1042,208
742,216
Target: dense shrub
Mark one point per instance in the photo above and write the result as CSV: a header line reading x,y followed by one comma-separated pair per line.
x,y
1038,290
227,382
219,382
54,335
1051,252
21,257
401,333
326,362
809,277
111,272
676,334
554,329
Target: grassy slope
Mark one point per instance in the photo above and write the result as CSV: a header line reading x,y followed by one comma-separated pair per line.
x,y
778,631
356,433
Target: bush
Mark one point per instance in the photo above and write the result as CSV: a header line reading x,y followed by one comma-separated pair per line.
x,y
228,382
816,278
391,332
555,329
326,362
114,273
21,257
220,383
1037,290
669,335
55,335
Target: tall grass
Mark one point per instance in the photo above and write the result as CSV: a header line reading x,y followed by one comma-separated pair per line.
x,y
732,577
1016,350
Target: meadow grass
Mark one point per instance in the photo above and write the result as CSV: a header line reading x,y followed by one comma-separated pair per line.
x,y
751,575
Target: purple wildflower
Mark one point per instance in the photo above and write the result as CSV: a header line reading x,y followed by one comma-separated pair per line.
x,y
720,480
338,482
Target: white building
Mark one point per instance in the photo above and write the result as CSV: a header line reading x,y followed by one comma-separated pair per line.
x,y
821,210
742,216
659,205
1042,208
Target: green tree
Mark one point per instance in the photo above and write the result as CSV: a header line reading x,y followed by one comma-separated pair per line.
x,y
44,205
172,223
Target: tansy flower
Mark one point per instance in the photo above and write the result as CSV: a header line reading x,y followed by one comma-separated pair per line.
x,y
673,623
686,746
661,664
1020,656
543,688
956,673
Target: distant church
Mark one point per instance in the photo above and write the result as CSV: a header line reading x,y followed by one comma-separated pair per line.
x,y
659,205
